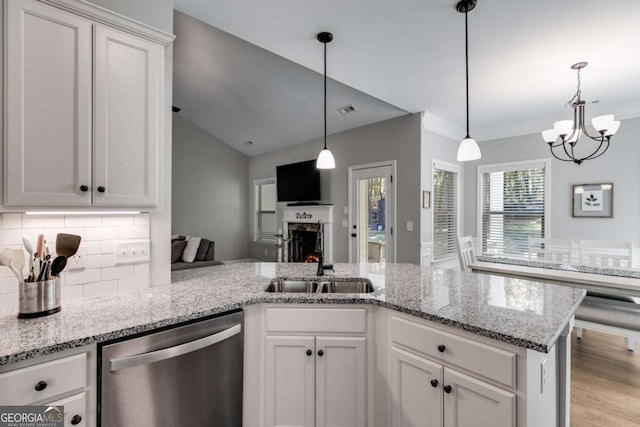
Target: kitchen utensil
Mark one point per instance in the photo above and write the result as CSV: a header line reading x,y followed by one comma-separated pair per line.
x,y
36,299
17,262
67,244
40,246
6,259
28,244
58,264
44,269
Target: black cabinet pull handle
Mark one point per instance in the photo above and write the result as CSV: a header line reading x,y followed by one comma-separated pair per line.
x,y
320,353
77,419
447,389
101,189
441,348
434,383
309,352
41,385
84,188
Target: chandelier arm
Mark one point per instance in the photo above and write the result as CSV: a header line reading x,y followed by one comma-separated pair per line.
x,y
595,154
559,158
576,129
564,146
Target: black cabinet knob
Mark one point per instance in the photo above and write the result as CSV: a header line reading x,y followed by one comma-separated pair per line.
x,y
101,189
320,353
441,348
309,352
84,188
447,389
434,383
77,419
353,234
41,385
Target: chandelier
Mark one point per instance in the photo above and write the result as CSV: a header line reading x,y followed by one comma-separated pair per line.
x,y
563,138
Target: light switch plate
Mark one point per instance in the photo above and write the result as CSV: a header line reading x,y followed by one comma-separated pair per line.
x,y
346,210
345,223
409,226
132,251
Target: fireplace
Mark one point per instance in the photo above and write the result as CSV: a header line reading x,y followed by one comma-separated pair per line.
x,y
300,226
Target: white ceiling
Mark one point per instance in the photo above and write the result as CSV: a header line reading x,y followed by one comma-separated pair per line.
x,y
410,53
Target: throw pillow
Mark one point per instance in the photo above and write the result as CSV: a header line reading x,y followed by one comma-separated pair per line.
x,y
189,254
210,256
202,249
177,247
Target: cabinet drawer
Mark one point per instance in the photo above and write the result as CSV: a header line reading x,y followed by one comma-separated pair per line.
x,y
494,363
74,409
352,320
61,376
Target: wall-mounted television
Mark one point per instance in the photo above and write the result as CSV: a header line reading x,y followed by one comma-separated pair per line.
x,y
298,182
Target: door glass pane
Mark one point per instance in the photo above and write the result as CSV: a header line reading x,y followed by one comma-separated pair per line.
x,y
371,219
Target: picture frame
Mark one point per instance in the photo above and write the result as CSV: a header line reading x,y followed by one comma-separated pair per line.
x,y
592,200
426,199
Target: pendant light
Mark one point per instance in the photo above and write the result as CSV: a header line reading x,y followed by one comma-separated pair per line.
x,y
468,148
325,158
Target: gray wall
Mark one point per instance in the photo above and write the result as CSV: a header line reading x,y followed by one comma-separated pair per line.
x,y
396,139
620,165
210,190
156,13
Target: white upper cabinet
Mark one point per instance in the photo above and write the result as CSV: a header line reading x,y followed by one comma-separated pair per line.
x,y
126,124
48,149
84,107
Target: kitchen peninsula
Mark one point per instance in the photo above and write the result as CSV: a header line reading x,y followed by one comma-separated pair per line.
x,y
505,335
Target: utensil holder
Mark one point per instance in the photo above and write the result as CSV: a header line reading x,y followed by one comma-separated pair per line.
x,y
37,299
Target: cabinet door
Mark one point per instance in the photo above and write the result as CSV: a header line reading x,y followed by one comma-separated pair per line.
x,y
474,403
415,400
74,410
290,382
128,73
341,381
48,109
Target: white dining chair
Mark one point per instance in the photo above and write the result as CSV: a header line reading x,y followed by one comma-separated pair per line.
x,y
603,253
466,253
553,250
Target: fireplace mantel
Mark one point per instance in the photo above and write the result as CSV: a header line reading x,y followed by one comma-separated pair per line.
x,y
311,214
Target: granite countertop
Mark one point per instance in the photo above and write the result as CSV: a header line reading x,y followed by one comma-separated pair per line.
x,y
525,313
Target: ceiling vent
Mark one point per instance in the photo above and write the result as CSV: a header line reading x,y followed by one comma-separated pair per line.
x,y
347,109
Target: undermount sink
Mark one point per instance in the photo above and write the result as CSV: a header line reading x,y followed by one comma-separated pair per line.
x,y
351,285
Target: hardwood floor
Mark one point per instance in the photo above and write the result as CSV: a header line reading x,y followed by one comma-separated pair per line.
x,y
605,381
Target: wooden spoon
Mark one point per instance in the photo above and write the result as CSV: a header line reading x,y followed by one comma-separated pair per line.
x,y
67,244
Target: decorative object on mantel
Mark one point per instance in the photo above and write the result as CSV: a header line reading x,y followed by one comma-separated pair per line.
x,y
426,199
303,215
570,131
325,158
468,148
593,200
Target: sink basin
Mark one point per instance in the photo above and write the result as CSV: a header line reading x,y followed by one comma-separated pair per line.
x,y
352,285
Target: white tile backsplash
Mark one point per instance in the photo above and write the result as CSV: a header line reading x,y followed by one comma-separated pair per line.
x,y
99,234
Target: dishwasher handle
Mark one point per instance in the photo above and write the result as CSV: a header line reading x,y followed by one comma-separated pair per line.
x,y
170,352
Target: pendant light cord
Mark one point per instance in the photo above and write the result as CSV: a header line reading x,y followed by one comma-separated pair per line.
x,y
325,96
466,60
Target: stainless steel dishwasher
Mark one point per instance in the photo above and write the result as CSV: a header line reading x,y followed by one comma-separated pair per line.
x,y
185,376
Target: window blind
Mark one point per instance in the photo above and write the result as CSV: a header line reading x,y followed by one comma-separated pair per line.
x,y
445,213
266,211
513,208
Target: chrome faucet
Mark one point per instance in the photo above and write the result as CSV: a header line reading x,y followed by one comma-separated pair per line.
x,y
320,251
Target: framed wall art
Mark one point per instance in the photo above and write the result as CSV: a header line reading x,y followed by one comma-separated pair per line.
x,y
593,200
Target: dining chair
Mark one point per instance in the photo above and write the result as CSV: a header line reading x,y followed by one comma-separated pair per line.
x,y
553,250
603,253
466,253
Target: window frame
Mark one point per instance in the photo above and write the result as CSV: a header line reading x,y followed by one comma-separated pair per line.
x,y
257,183
449,167
512,166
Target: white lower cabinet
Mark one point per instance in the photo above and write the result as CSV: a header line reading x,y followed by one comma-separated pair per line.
x,y
315,381
74,409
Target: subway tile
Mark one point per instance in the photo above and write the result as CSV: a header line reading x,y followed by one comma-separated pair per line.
x,y
142,269
8,285
14,237
99,261
71,292
108,246
80,277
109,287
101,233
133,284
11,221
82,221
9,302
133,232
42,221
111,273
50,234
142,219
117,220
93,247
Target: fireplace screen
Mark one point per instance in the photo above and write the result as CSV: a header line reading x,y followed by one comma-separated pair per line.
x,y
302,242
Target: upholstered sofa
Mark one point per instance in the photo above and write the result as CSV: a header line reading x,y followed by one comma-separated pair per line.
x,y
192,252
